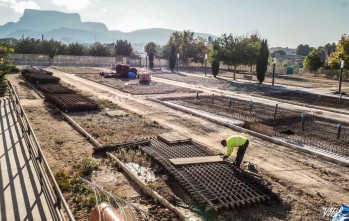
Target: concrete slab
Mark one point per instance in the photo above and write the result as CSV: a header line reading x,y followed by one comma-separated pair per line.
x,y
21,195
173,138
196,160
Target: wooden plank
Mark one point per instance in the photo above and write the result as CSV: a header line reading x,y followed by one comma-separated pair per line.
x,y
196,160
173,138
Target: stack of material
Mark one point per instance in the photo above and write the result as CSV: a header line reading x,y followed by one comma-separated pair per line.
x,y
144,78
40,78
72,102
125,70
54,89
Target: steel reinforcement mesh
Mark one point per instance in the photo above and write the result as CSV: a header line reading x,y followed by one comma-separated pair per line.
x,y
287,123
72,102
54,89
309,98
217,185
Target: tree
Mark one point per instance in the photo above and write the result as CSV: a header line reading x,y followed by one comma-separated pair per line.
x,y
214,57
49,48
231,50
262,61
173,57
76,49
199,50
150,48
277,52
28,46
252,45
5,67
313,61
189,48
123,48
341,53
97,49
330,48
303,50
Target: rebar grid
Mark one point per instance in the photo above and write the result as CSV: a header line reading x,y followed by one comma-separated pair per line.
x,y
218,185
287,123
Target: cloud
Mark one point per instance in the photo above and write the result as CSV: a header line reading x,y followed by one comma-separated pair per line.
x,y
19,6
73,5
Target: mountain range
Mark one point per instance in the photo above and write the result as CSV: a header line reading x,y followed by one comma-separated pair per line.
x,y
68,28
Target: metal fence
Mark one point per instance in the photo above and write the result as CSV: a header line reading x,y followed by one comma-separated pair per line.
x,y
50,187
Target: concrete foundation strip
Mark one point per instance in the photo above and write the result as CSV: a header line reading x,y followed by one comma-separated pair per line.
x,y
147,190
327,155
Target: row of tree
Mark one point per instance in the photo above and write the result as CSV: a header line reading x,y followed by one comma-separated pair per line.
x,y
51,48
189,49
304,50
230,50
339,52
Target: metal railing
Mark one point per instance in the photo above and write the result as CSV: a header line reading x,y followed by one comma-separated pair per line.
x,y
54,196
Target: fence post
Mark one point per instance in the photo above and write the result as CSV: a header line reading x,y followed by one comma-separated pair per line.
x,y
197,95
339,129
303,120
212,98
276,110
230,103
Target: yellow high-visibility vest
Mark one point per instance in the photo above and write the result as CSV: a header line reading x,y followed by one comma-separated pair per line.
x,y
234,141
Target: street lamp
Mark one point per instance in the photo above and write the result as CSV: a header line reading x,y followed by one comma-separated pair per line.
x,y
274,63
205,63
146,61
177,60
340,79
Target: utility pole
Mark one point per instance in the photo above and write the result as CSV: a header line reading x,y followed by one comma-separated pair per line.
x,y
274,63
340,79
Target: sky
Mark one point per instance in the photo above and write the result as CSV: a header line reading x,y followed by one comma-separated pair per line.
x,y
285,23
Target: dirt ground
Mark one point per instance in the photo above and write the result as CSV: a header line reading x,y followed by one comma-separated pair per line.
x,y
134,87
112,130
65,149
303,183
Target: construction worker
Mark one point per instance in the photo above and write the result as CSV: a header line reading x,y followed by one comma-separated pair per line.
x,y
235,141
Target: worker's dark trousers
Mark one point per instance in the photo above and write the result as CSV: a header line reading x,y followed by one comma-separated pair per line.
x,y
240,154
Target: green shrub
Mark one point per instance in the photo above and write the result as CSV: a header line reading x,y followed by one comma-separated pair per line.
x,y
88,165
63,180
